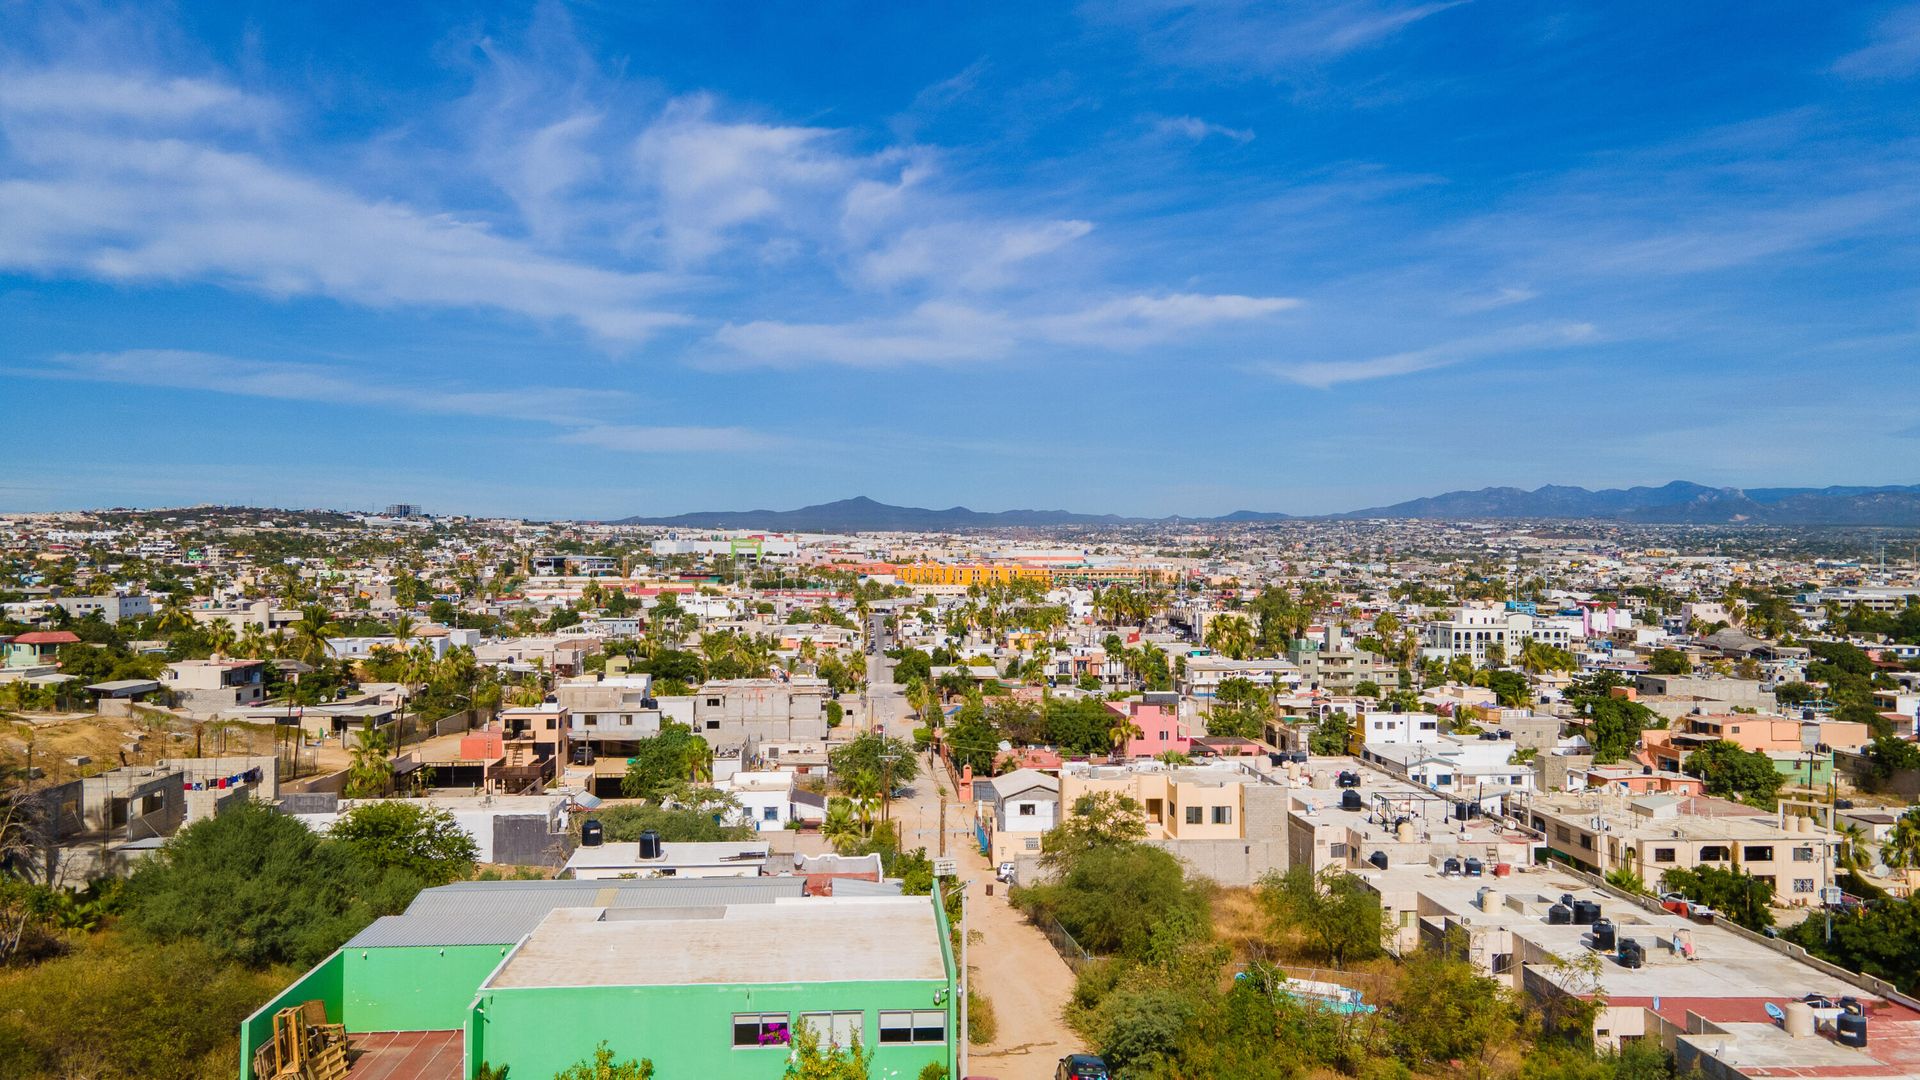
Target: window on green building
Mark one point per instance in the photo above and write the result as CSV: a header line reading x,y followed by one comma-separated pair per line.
x,y
834,1028
924,1026
762,1029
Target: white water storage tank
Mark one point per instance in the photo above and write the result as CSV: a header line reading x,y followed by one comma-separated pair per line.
x,y
1800,1020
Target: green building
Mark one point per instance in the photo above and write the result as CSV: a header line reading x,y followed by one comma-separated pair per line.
x,y
705,977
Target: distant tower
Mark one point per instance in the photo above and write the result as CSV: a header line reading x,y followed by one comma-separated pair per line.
x,y
401,510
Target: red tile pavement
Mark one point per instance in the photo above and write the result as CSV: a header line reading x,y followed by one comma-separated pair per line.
x,y
404,1055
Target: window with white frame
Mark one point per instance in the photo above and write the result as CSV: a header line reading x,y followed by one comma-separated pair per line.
x,y
761,1029
835,1028
918,1026
1027,809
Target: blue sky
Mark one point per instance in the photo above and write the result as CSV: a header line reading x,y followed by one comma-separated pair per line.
x,y
1139,257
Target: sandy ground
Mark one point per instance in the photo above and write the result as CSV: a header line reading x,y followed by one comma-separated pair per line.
x,y
1011,962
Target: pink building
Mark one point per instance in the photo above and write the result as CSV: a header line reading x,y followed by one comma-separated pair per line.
x,y
1160,729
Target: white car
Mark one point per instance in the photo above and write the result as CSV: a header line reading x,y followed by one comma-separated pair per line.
x,y
1005,872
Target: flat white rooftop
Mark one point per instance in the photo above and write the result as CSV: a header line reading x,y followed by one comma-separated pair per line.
x,y
793,939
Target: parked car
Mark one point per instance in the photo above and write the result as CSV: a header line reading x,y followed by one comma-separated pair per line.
x,y
1082,1067
1005,872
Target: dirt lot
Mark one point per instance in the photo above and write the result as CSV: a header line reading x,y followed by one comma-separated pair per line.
x,y
53,742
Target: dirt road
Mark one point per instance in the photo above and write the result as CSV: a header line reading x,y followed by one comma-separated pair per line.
x,y
1012,963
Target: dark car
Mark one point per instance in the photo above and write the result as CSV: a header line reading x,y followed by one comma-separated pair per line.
x,y
1081,1067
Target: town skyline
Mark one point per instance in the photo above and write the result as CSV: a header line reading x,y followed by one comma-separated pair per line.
x,y
1301,259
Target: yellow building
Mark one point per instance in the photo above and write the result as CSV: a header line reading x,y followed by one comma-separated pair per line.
x,y
971,573
1180,804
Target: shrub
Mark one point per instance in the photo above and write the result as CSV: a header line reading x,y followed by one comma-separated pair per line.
x,y
982,1024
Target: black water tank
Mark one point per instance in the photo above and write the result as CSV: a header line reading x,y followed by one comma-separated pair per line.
x,y
1559,915
1379,859
1474,867
590,833
1349,778
1585,913
649,844
1850,1029
1603,939
1632,954
1566,898
1350,800
1451,866
1276,759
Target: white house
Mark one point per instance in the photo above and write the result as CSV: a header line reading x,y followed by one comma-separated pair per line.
x,y
1016,810
766,799
1399,728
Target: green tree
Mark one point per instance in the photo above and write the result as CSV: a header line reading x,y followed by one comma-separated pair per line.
x,y
1669,662
1732,771
664,762
1128,899
881,755
261,888
1096,820
1241,709
1330,736
1735,894
1334,909
1449,1012
420,840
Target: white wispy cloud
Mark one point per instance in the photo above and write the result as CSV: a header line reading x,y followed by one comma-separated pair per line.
x,y
68,94
1260,36
1893,52
1505,296
1198,130
133,181
582,413
713,177
1326,374
950,333
969,256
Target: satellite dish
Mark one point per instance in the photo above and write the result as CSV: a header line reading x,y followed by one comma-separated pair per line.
x,y
1778,1014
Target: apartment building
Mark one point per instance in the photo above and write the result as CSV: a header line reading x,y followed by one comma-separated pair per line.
x,y
1602,831
110,608
1473,629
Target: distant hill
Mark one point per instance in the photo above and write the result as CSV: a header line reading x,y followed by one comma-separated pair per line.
x,y
866,515
1678,503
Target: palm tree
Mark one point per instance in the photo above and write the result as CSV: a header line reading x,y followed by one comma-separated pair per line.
x,y
863,791
370,773
1901,850
310,633
1123,729
839,827
221,636
1230,634
1853,853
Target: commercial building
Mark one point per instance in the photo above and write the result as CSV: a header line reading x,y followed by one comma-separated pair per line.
x,y
704,978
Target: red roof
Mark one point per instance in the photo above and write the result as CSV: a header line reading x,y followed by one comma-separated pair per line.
x,y
48,637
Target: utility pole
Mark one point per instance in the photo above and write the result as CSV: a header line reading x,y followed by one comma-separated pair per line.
x,y
943,825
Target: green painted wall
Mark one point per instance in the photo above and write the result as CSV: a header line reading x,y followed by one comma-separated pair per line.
x,y
414,988
323,982
688,1030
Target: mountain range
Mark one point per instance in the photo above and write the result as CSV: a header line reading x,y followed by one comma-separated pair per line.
x,y
1678,503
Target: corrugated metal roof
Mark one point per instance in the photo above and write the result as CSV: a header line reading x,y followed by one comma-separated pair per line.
x,y
480,897
857,887
398,931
